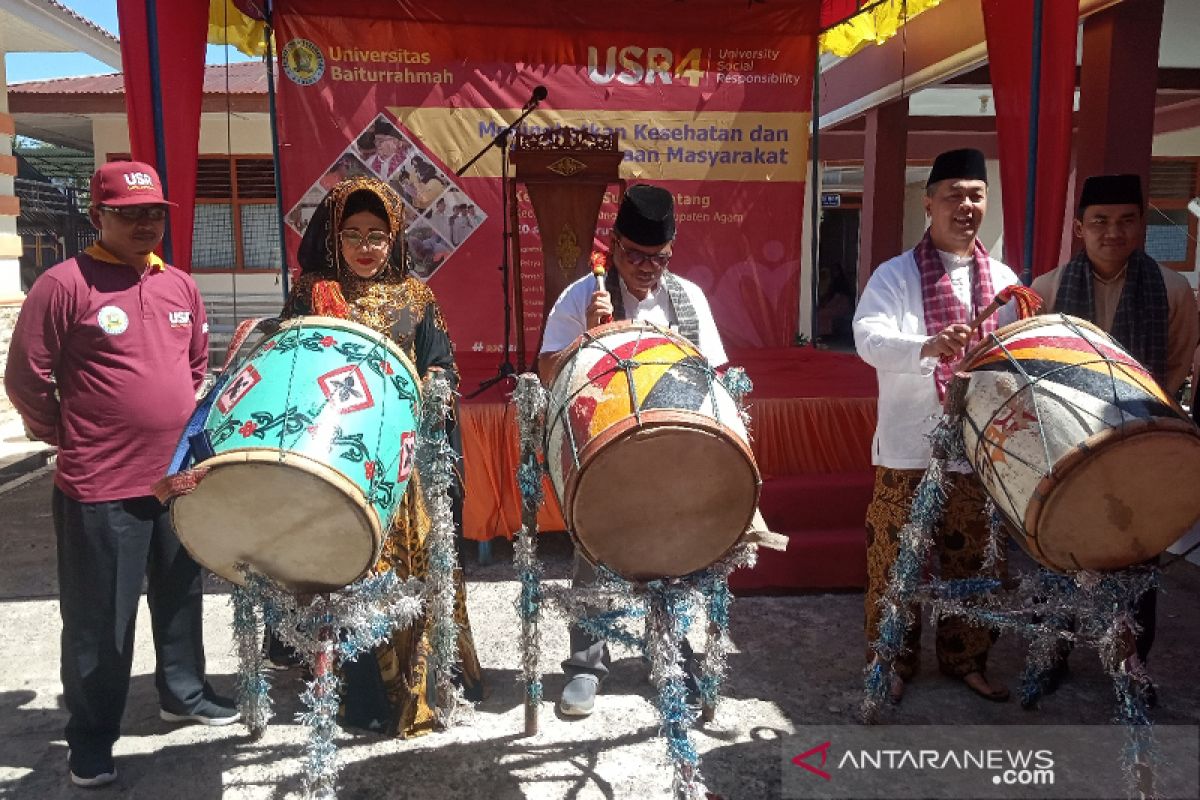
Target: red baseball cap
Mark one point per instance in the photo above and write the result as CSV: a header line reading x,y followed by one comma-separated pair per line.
x,y
127,183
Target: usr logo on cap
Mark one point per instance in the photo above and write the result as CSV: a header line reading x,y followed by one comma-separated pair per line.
x,y
127,183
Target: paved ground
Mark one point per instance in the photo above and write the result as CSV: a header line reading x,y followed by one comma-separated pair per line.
x,y
798,662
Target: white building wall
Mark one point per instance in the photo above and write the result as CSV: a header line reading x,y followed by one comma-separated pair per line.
x,y
10,242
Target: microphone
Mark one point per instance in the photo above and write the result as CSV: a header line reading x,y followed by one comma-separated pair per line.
x,y
539,94
598,272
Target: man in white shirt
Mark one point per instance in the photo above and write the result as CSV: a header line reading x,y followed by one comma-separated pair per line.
x,y
637,287
912,326
637,283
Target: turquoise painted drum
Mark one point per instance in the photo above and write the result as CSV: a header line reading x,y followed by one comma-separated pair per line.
x,y
314,438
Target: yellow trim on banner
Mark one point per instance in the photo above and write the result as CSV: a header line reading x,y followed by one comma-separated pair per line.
x,y
671,145
874,26
242,32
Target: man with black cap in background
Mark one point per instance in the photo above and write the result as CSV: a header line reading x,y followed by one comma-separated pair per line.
x,y
912,325
637,286
1145,306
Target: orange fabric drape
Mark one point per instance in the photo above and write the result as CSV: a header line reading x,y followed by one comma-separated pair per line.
x,y
490,458
812,434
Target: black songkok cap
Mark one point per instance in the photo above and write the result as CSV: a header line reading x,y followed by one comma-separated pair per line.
x,y
1111,190
647,215
385,128
967,164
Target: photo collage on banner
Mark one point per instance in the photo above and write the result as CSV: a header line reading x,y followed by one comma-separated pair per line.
x,y
438,215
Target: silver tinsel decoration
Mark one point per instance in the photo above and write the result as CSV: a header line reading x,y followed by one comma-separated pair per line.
x,y
993,551
609,606
672,605
253,688
1038,608
530,399
435,466
326,630
714,588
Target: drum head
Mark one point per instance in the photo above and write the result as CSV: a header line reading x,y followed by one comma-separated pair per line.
x,y
292,519
1122,500
663,501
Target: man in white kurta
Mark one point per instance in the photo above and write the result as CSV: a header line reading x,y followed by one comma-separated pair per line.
x,y
636,286
911,325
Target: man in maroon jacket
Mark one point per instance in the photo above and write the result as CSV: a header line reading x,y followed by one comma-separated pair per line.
x,y
108,352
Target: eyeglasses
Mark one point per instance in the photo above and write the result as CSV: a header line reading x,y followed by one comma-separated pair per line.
x,y
375,240
137,213
637,258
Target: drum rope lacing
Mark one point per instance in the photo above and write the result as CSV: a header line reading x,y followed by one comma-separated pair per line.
x,y
1033,387
602,608
377,349
628,366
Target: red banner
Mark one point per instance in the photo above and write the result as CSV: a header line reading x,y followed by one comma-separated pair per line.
x,y
710,100
1009,25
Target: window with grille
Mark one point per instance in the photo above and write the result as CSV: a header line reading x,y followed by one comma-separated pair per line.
x,y
236,223
1170,227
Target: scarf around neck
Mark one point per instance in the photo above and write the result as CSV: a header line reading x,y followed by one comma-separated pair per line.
x,y
1140,323
942,308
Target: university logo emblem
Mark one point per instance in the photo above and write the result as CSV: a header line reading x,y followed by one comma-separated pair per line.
x,y
303,62
112,320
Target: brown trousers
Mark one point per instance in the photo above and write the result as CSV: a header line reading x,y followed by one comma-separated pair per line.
x,y
959,542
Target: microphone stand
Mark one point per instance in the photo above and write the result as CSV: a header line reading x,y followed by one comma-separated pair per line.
x,y
501,140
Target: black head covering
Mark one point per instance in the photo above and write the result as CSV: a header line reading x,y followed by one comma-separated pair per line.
x,y
967,164
385,128
366,142
646,215
1111,190
320,250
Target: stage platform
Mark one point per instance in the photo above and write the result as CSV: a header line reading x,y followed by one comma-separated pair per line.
x,y
813,415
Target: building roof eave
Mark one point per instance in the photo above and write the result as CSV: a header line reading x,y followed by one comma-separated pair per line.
x,y
76,33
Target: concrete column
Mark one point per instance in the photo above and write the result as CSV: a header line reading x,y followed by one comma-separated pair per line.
x,y
885,148
1117,87
10,243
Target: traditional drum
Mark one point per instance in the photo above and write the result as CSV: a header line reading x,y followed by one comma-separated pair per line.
x,y
1077,445
313,439
647,453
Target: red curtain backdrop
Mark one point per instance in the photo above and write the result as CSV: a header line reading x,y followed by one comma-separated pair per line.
x,y
182,29
1009,26
834,12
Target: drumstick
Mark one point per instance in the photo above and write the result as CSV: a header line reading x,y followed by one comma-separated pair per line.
x,y
1028,303
598,272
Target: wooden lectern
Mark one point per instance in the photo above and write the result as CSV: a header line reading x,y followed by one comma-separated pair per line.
x,y
566,171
